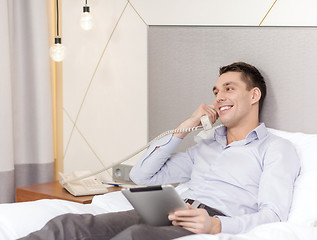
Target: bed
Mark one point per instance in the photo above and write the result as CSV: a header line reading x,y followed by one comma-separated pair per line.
x,y
287,59
19,219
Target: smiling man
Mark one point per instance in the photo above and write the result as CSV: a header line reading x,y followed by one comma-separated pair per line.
x,y
240,178
243,176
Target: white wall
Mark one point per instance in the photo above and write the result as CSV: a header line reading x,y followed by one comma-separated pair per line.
x,y
105,71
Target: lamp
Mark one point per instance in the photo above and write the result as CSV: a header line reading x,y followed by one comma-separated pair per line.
x,y
86,19
57,50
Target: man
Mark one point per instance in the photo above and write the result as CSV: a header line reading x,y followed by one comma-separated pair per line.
x,y
243,176
244,171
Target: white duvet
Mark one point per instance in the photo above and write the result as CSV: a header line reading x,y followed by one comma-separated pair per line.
x,y
19,219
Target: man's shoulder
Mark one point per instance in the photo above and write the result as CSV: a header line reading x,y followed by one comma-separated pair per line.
x,y
275,138
281,152
273,145
280,148
274,141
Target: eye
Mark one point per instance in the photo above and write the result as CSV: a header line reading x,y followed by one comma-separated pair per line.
x,y
229,88
215,93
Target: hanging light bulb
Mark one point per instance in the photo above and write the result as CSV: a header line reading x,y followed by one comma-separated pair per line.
x,y
86,19
57,50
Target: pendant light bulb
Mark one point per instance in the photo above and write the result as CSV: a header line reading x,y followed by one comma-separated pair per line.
x,y
86,19
58,50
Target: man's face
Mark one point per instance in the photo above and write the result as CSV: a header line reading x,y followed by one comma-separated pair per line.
x,y
232,99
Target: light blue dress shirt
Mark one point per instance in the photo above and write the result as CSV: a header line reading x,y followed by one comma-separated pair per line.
x,y
251,181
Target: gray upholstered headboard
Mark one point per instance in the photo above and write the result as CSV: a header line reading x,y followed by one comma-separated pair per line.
x,y
183,63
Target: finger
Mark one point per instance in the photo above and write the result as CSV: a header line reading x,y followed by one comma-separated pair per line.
x,y
198,226
187,224
186,213
212,113
190,227
207,109
183,223
214,117
194,213
211,107
171,217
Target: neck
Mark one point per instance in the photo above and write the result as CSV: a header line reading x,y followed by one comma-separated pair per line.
x,y
240,132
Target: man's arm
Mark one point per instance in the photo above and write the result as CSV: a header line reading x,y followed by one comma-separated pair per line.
x,y
158,166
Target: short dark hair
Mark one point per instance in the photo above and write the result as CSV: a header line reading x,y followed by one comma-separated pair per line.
x,y
250,75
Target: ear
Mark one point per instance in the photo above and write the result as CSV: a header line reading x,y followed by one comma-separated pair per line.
x,y
256,95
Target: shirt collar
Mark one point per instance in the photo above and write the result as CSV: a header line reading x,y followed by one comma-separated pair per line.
x,y
258,133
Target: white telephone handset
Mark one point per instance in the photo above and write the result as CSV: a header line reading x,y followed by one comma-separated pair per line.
x,y
208,129
87,184
205,122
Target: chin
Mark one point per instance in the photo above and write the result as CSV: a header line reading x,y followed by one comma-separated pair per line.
x,y
226,125
225,122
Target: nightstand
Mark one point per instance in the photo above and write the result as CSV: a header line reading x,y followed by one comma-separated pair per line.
x,y
51,190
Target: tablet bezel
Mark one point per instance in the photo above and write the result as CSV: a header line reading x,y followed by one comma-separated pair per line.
x,y
154,203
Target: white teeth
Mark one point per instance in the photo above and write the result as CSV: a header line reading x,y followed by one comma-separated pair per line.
x,y
224,108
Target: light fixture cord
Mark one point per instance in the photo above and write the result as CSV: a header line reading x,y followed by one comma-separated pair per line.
x,y
57,19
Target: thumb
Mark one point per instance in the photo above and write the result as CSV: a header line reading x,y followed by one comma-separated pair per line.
x,y
189,206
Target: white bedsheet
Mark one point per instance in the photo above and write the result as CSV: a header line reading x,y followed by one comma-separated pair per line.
x,y
272,231
19,219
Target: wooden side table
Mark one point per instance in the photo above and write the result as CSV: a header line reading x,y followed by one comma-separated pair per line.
x,y
51,190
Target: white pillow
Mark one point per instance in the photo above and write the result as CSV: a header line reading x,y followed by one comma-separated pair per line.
x,y
306,147
304,206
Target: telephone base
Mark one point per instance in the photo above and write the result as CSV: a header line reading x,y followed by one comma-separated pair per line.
x,y
87,186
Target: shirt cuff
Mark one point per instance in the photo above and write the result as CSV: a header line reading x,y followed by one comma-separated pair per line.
x,y
230,225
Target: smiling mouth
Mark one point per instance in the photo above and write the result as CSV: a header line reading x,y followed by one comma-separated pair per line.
x,y
224,108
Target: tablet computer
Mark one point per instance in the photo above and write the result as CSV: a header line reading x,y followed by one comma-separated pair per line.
x,y
154,204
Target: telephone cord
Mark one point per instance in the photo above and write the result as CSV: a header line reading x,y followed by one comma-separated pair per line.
x,y
185,130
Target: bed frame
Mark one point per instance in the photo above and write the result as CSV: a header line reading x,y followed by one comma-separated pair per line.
x,y
183,63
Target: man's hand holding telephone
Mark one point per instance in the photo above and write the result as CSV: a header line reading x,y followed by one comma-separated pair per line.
x,y
195,119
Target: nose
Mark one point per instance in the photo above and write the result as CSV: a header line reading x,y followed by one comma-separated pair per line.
x,y
220,97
